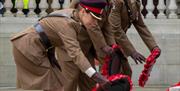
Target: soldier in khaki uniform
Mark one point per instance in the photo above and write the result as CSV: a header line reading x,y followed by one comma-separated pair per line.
x,y
101,37
123,14
65,31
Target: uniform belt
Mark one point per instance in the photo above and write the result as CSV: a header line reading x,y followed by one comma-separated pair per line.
x,y
50,50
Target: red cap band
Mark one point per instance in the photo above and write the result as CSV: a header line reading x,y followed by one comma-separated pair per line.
x,y
93,9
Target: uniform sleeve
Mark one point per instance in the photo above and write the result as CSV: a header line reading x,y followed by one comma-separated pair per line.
x,y
144,33
97,37
108,33
120,36
72,47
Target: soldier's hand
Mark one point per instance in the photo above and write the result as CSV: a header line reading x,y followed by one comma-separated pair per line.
x,y
137,57
103,82
108,50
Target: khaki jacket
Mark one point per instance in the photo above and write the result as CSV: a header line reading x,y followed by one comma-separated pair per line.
x,y
119,21
67,34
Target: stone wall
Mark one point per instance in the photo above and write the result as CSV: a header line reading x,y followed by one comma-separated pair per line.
x,y
166,32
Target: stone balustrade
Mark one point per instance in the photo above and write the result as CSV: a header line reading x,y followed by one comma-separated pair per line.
x,y
33,8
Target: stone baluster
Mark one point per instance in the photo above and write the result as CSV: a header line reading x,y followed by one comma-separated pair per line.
x,y
166,3
150,8
37,10
144,10
61,2
19,6
8,5
43,6
155,11
172,9
161,7
14,10
66,3
49,9
32,6
55,4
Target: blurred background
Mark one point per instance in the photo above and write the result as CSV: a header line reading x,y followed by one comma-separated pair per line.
x,y
161,17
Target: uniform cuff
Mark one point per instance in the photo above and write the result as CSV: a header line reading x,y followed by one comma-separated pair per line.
x,y
90,72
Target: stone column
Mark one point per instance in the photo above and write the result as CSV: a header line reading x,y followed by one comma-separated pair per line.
x,y
172,9
150,8
161,7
